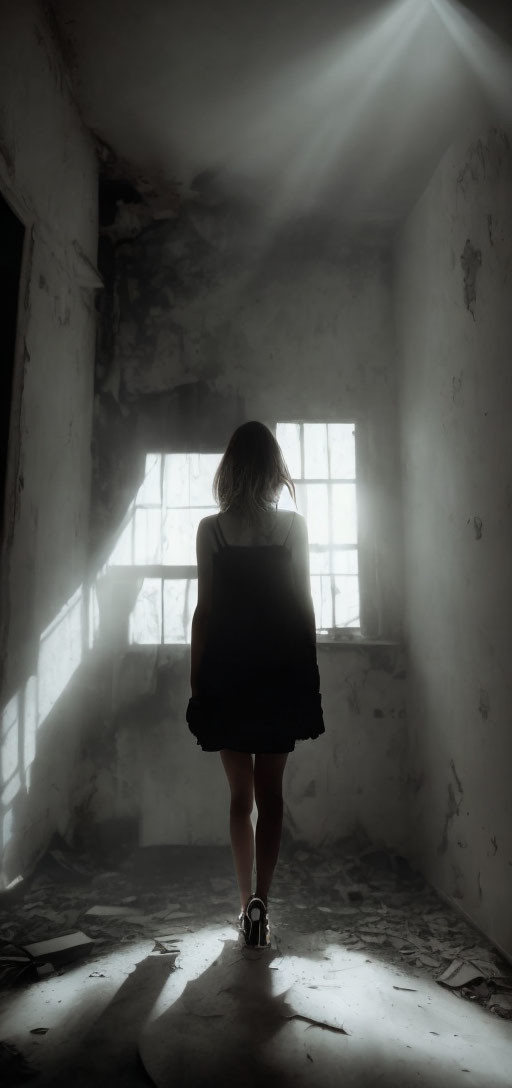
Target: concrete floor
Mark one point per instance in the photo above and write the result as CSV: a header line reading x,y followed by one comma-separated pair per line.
x,y
344,996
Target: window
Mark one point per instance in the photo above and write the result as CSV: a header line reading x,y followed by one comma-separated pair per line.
x,y
158,543
322,463
156,546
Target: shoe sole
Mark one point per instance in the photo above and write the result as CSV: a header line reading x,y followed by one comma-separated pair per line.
x,y
256,919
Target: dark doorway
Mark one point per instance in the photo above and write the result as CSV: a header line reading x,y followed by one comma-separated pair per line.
x,y
11,250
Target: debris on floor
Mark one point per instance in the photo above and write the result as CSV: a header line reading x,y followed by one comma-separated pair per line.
x,y
12,967
106,911
461,972
58,950
364,899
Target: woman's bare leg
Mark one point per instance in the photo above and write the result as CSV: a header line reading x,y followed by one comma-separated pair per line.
x,y
239,770
268,786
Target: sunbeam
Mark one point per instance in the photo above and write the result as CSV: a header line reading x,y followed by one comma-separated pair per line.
x,y
488,56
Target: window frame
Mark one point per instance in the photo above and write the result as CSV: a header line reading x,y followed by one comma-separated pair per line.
x,y
370,594
335,633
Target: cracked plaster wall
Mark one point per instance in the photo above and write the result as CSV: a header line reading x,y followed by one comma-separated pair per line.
x,y
48,175
454,261
207,321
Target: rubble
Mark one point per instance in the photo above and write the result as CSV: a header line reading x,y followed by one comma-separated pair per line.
x,y
363,899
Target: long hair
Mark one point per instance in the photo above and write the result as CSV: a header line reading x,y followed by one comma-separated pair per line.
x,y
252,471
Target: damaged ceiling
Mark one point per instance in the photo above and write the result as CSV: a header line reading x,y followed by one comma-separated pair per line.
x,y
288,107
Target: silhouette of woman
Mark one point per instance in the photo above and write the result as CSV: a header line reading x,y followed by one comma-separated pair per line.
x,y
254,673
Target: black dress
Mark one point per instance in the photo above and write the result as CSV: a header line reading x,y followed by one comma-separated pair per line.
x,y
258,681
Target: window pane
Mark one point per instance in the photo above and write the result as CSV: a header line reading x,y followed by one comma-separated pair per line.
x,y
177,479
146,618
342,450
188,479
180,599
288,436
319,562
147,535
344,517
285,500
300,494
315,451
346,601
202,471
317,513
179,535
322,601
149,491
343,561
333,561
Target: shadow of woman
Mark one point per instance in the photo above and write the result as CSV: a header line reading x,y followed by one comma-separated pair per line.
x,y
218,1031
108,1053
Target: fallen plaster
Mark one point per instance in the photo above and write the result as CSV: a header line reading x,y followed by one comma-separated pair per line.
x,y
365,959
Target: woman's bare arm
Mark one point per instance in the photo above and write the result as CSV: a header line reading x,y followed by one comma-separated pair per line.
x,y
204,601
300,566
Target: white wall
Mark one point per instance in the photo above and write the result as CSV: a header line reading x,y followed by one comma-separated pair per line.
x,y
154,774
454,259
48,176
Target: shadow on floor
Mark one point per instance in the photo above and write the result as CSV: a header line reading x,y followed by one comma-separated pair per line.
x,y
108,1052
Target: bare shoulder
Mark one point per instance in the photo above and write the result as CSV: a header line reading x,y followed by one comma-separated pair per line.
x,y
293,528
205,530
206,524
298,524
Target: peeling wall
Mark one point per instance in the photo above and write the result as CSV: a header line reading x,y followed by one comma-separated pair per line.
x,y
454,261
209,319
48,175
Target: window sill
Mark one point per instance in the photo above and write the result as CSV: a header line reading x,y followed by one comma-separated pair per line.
x,y
351,642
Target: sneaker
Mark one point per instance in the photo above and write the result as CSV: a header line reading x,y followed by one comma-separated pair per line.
x,y
244,926
256,925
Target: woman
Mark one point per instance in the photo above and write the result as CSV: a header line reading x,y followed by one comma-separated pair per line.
x,y
254,673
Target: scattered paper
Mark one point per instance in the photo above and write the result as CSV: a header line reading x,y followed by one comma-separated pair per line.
x,y
60,949
459,973
163,948
429,961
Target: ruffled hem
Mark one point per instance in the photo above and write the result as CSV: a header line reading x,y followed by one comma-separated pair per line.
x,y
217,723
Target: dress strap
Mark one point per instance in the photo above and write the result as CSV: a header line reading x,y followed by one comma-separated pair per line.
x,y
285,541
221,539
